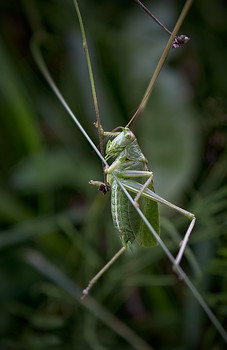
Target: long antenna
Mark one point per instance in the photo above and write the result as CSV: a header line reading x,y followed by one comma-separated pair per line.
x,y
161,61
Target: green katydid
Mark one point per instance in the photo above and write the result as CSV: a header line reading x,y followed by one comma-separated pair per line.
x,y
131,164
129,172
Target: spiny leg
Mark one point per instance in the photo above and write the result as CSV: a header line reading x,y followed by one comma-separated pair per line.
x,y
140,193
137,173
184,242
137,187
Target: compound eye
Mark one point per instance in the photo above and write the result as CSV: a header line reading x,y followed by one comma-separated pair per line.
x,y
128,135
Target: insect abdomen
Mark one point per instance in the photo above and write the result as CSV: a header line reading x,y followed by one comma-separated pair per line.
x,y
120,207
128,222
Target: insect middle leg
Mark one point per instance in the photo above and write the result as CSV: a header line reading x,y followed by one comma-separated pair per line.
x,y
138,173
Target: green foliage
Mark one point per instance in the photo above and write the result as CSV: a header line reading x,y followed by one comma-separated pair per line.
x,y
56,231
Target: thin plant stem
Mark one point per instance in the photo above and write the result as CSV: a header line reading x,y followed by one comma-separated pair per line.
x,y
91,76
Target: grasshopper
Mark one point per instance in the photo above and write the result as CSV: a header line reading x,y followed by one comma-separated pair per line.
x,y
130,164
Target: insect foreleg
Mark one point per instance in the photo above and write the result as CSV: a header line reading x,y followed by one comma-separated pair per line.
x,y
104,187
96,183
137,188
114,165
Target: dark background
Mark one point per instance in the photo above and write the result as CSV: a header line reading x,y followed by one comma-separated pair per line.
x,y
56,229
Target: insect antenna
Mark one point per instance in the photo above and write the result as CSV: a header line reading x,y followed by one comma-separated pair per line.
x,y
161,62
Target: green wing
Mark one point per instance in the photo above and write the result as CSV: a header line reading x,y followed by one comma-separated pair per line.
x,y
149,207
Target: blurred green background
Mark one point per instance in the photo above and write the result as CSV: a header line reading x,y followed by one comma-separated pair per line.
x,y
56,230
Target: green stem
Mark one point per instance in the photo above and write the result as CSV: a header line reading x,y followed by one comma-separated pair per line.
x,y
91,76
